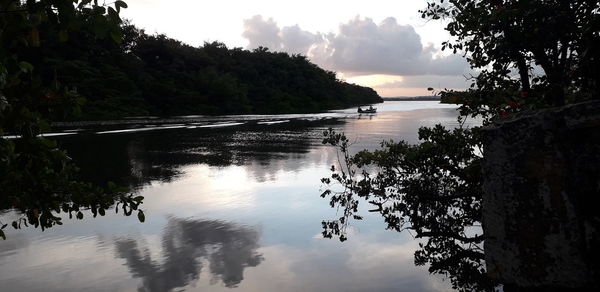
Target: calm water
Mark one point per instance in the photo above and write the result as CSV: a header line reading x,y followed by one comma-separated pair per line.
x,y
231,203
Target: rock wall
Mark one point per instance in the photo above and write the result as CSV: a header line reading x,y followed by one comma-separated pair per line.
x,y
540,210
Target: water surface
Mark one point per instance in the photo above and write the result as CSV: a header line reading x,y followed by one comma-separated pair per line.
x,y
232,204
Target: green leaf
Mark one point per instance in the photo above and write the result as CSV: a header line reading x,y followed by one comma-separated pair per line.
x,y
2,234
116,36
80,100
141,216
25,66
120,4
113,14
100,10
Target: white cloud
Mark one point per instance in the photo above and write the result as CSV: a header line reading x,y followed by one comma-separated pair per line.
x,y
362,47
359,47
266,33
297,41
262,33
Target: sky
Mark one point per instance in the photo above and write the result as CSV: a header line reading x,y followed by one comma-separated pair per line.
x,y
384,44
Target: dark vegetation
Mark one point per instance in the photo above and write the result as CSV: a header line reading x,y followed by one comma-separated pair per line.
x,y
155,75
530,55
37,179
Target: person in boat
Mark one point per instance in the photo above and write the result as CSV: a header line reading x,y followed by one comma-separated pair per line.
x,y
370,107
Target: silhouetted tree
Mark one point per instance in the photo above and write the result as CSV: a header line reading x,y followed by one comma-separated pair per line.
x,y
36,178
434,189
541,52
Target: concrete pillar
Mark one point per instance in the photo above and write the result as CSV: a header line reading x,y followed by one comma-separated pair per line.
x,y
540,207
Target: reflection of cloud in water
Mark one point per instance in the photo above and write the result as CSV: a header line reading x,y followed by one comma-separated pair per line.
x,y
228,248
364,263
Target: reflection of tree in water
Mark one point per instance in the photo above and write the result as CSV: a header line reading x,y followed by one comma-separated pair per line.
x,y
228,248
137,159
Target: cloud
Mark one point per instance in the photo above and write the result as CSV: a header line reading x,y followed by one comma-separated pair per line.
x,y
266,33
262,33
363,47
297,41
187,246
359,47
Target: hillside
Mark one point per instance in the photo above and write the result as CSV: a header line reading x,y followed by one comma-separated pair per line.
x,y
156,75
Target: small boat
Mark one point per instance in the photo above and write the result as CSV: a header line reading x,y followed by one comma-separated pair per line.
x,y
370,110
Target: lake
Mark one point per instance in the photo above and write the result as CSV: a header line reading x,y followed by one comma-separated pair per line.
x,y
232,204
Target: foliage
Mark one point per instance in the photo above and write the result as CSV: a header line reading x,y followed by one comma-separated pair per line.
x,y
162,76
529,54
432,189
36,178
156,75
539,52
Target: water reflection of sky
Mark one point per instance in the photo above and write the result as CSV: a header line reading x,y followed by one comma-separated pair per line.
x,y
226,209
188,246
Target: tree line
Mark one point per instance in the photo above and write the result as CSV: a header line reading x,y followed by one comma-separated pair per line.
x,y
144,74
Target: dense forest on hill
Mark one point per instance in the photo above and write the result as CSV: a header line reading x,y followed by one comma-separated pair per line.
x,y
155,75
